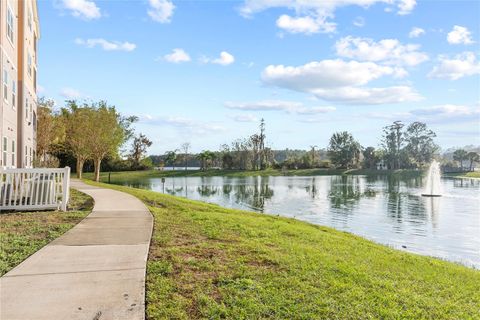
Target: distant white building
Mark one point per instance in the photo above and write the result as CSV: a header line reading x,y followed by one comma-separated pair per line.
x,y
381,165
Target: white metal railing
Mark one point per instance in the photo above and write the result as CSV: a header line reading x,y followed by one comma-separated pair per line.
x,y
34,189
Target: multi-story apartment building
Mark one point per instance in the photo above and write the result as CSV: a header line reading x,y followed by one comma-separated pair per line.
x,y
19,33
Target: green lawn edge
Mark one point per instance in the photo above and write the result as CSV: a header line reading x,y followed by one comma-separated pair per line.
x,y
206,261
128,175
466,175
24,233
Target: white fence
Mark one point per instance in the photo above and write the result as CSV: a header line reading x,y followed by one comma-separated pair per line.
x,y
34,189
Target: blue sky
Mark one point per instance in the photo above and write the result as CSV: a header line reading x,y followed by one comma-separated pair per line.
x,y
206,71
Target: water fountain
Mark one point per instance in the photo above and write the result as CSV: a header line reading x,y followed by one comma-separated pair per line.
x,y
432,189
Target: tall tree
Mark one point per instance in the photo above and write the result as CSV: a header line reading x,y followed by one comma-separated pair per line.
x,y
255,144
392,143
185,148
344,151
262,139
420,146
171,158
79,124
106,132
313,154
206,157
460,155
473,157
50,130
369,158
140,144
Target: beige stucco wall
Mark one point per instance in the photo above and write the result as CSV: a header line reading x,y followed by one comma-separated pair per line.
x,y
8,113
27,66
18,114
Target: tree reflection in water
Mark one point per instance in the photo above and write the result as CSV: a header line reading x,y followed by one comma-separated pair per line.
x,y
254,195
312,189
344,192
207,191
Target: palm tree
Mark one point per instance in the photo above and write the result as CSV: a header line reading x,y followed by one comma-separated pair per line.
x,y
171,157
204,157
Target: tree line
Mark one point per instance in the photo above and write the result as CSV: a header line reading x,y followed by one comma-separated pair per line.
x,y
95,136
87,133
402,146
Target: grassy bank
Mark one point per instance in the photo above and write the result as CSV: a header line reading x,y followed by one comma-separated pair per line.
x,y
134,175
23,233
475,174
206,261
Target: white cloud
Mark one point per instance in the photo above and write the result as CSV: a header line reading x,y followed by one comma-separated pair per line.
x,y
70,93
307,24
106,45
340,81
225,59
416,32
390,51
315,110
406,6
446,113
85,9
278,105
177,56
445,110
245,118
459,35
314,15
462,65
182,123
359,22
161,10
325,74
369,96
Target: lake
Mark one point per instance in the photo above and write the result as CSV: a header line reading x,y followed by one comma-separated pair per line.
x,y
385,209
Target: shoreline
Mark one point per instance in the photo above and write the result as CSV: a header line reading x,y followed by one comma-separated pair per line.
x,y
205,258
104,176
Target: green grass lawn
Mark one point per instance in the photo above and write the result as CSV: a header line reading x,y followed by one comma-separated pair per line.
x,y
206,261
23,233
475,174
117,177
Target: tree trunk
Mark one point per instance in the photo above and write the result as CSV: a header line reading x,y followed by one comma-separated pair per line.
x,y
98,162
80,163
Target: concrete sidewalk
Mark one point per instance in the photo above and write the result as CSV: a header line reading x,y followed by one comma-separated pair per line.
x,y
94,271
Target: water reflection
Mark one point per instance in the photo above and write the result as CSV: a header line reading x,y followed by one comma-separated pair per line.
x,y
386,209
344,192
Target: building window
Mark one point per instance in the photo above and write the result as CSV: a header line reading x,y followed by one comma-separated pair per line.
x,y
34,120
4,151
10,29
14,94
29,64
5,84
13,153
30,19
26,108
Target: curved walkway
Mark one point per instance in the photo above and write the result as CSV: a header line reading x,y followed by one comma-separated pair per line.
x,y
94,271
